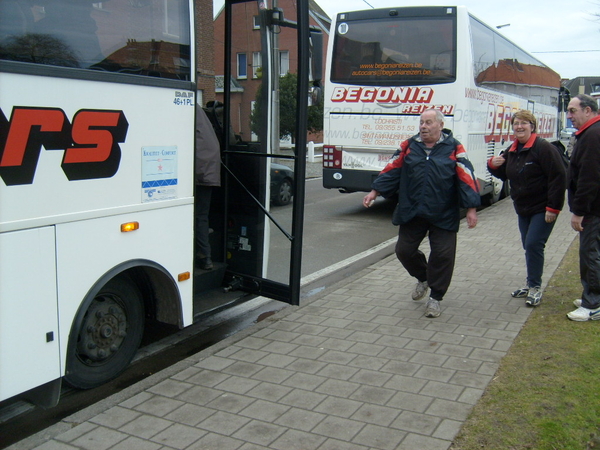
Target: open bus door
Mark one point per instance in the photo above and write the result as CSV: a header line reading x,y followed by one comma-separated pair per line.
x,y
262,244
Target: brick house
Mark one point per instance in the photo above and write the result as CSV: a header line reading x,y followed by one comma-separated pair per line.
x,y
246,64
205,54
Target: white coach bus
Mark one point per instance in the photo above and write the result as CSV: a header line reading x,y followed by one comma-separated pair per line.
x,y
386,66
97,132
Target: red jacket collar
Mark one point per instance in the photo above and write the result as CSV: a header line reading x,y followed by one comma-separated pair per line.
x,y
528,144
588,124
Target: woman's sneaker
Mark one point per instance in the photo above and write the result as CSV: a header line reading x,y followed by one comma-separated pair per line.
x,y
534,296
520,293
420,290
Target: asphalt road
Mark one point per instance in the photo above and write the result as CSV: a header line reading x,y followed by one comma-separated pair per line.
x,y
337,228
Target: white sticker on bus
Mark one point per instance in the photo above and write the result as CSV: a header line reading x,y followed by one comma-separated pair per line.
x,y
159,173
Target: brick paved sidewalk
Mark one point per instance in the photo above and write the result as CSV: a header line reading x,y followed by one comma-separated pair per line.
x,y
358,368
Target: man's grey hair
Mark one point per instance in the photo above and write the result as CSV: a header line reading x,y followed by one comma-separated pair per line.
x,y
587,100
438,114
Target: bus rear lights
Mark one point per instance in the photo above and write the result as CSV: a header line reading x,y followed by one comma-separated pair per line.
x,y
129,226
332,157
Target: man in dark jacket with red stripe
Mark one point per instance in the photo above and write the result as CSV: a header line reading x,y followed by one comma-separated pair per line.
x,y
583,182
433,179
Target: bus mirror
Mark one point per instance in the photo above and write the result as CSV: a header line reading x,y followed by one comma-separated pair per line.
x,y
316,56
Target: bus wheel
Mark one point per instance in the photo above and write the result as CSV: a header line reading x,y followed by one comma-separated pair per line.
x,y
108,336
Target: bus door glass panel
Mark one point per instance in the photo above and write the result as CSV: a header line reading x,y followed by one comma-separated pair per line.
x,y
259,156
142,37
392,51
282,165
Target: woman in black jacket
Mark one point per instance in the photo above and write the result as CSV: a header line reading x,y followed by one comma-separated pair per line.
x,y
537,186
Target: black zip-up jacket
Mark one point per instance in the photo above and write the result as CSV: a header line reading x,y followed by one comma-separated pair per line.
x,y
432,186
537,176
584,171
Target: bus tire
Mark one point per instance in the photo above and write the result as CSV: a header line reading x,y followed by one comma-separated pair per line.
x,y
108,337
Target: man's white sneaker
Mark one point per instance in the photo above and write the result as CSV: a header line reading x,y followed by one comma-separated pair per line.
x,y
420,290
582,314
433,308
577,302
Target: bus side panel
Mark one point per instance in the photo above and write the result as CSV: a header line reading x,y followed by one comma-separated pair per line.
x,y
29,333
120,140
90,249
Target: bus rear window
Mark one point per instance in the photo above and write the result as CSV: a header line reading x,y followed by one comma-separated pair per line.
x,y
143,37
392,51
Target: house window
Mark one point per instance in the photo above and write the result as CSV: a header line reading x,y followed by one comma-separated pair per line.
x,y
256,23
242,66
256,65
284,62
175,12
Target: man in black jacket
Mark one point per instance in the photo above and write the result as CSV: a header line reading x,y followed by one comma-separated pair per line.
x,y
584,202
433,179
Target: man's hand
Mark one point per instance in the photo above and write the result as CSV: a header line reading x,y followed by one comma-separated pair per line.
x,y
370,198
471,217
576,222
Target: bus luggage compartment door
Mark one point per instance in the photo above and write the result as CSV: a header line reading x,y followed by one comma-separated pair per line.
x,y
28,317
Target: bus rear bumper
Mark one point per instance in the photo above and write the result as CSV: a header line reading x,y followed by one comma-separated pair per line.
x,y
348,180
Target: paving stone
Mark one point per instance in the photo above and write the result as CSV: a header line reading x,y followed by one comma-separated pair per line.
x,y
337,406
300,419
146,426
178,436
101,438
297,440
159,406
190,414
264,411
377,437
115,417
229,402
261,433
339,428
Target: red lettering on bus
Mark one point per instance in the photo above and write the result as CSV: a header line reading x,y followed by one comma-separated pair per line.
x,y
91,143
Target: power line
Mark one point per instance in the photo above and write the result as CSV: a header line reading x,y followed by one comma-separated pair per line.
x,y
372,7
569,51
